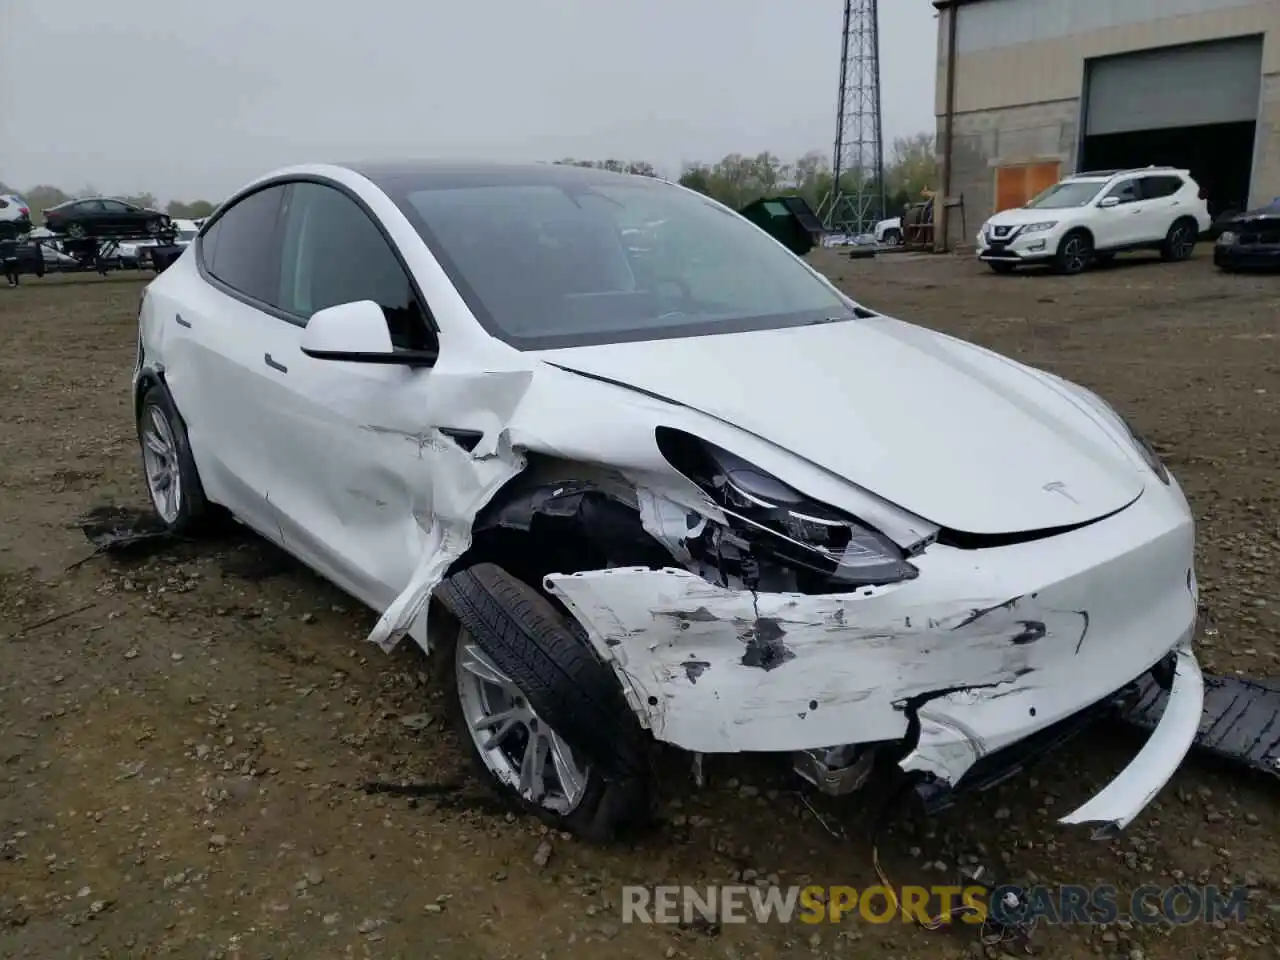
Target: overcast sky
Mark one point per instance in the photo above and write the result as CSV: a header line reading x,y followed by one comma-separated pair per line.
x,y
190,98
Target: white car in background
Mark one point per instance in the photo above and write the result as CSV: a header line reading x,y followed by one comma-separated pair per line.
x,y
742,540
1090,217
889,232
186,231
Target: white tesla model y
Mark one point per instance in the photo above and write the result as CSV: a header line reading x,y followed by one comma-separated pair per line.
x,y
683,491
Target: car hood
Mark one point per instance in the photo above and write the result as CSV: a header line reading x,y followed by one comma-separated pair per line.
x,y
1269,212
956,434
1021,215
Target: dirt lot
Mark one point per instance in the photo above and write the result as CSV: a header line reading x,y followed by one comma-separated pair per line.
x,y
182,751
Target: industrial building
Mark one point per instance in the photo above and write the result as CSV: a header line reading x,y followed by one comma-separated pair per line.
x,y
1031,90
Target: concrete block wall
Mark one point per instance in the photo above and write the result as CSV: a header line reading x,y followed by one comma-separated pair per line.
x,y
1266,162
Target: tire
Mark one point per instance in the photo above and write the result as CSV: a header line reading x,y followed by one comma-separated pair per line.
x,y
192,513
76,231
1000,266
893,238
567,687
1180,242
154,226
1075,253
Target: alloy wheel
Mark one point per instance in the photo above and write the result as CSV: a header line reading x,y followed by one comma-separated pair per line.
x,y
1182,243
1075,254
160,462
516,745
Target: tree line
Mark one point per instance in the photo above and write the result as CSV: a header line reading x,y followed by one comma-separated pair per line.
x,y
735,180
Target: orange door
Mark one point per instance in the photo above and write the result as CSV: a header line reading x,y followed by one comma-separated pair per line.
x,y
1011,187
1017,184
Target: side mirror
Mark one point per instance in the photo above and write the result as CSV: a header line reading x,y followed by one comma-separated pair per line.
x,y
1109,202
357,333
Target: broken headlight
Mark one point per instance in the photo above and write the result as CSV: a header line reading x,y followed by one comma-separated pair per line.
x,y
772,525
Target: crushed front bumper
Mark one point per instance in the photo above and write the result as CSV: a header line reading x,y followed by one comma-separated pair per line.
x,y
984,650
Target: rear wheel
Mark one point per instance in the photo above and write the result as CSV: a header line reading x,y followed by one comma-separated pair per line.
x,y
1180,242
893,238
1074,253
172,481
544,718
1001,266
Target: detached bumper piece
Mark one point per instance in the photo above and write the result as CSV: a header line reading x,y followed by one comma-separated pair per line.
x,y
1240,722
1127,795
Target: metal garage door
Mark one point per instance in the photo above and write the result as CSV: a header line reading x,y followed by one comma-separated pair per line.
x,y
1175,87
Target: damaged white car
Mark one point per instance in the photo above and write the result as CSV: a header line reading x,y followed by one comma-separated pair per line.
x,y
685,490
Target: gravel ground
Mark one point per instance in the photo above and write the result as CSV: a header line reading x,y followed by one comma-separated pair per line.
x,y
182,750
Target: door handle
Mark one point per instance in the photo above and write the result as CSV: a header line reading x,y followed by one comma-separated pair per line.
x,y
273,364
177,318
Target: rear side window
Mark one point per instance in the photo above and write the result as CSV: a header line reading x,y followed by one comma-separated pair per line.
x,y
240,247
1153,188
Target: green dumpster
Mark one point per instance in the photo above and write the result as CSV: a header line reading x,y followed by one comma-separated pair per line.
x,y
789,220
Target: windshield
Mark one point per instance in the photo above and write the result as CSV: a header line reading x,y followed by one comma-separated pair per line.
x,y
558,264
1070,193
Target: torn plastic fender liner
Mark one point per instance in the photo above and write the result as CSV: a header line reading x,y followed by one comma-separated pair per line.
x,y
463,485
463,478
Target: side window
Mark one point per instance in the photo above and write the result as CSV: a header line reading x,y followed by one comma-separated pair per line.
x,y
240,247
89,206
333,253
1154,188
1127,191
115,206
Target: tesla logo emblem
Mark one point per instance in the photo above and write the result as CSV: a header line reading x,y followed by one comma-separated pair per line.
x,y
1059,487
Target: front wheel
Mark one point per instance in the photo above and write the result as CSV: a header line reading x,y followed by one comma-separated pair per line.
x,y
77,231
893,238
543,717
1074,253
1180,242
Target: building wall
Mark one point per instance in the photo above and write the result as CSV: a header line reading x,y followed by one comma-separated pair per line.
x,y
1020,73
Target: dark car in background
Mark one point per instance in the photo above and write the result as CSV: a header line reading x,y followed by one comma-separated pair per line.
x,y
1250,240
105,217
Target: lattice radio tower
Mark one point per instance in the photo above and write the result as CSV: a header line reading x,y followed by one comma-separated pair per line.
x,y
857,198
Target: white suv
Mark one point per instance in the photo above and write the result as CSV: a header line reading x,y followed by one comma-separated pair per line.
x,y
1093,216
